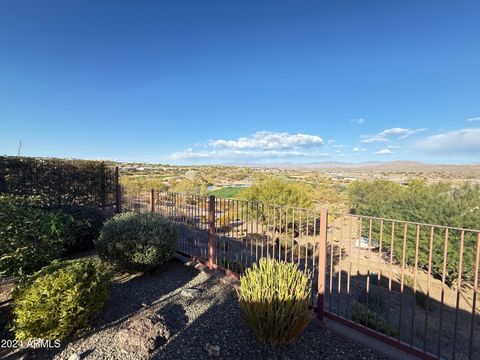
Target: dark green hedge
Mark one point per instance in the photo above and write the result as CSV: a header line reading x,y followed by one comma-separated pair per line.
x,y
30,236
58,182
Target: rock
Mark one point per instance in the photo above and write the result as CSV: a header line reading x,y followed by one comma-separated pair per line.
x,y
74,356
143,333
190,293
363,243
213,350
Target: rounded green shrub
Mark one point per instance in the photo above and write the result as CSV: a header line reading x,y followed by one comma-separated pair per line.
x,y
360,314
137,241
274,296
61,299
84,229
30,236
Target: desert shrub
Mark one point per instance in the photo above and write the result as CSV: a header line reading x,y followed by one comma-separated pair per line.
x,y
137,241
61,299
194,186
274,296
30,237
85,228
372,320
278,191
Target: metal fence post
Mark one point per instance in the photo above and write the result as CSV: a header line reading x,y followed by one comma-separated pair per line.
x,y
152,200
118,192
322,263
211,231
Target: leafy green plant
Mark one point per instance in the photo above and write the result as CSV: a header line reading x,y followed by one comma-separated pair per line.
x,y
274,296
30,237
372,320
84,229
137,241
60,300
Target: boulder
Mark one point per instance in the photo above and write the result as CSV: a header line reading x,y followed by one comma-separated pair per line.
x,y
143,333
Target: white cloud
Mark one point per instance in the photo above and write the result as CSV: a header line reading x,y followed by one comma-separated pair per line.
x,y
358,149
474,119
358,121
393,146
261,145
384,152
267,140
386,135
457,141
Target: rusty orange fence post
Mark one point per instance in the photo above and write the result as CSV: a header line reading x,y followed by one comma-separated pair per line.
x,y
152,200
118,192
322,262
211,231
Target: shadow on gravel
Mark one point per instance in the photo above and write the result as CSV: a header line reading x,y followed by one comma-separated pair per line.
x,y
175,316
223,324
126,298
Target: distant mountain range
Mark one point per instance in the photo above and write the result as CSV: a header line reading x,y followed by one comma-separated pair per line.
x,y
377,165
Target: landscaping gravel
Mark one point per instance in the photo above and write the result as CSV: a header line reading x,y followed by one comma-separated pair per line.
x,y
206,317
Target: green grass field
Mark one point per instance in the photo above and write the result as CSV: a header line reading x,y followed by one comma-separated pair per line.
x,y
226,192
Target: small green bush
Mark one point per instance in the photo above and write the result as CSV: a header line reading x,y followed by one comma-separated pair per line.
x,y
359,314
30,237
85,228
274,296
61,299
137,241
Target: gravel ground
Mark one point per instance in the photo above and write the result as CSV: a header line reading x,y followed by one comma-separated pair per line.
x,y
211,317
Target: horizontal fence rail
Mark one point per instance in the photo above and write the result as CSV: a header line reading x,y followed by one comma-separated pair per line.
x,y
412,285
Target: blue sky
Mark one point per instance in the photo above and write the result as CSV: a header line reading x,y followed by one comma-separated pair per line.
x,y
241,81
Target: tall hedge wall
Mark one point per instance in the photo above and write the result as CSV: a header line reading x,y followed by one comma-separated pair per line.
x,y
58,182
